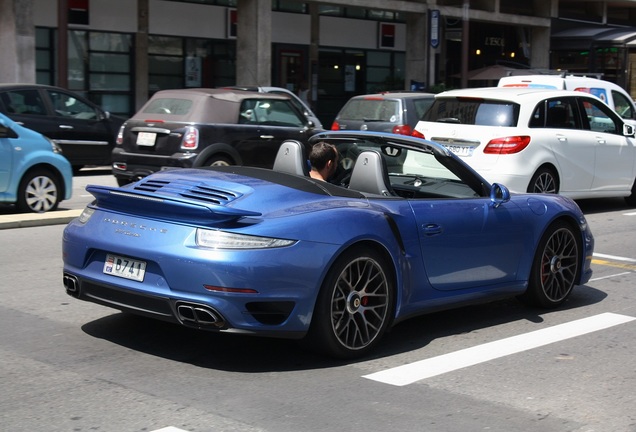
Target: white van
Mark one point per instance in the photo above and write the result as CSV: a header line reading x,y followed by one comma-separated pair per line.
x,y
613,95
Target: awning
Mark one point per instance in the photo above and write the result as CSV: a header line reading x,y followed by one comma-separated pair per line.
x,y
585,38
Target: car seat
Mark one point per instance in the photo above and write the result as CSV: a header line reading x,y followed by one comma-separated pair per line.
x,y
370,174
291,159
557,117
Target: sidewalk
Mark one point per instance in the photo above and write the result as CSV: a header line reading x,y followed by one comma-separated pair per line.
x,y
22,220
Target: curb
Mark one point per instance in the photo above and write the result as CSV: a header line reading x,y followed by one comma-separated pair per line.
x,y
23,220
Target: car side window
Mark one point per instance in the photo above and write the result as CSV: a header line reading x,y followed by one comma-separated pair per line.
x,y
276,113
67,106
599,117
556,114
622,105
24,102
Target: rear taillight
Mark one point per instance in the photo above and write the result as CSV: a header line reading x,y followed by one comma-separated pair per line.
x,y
507,145
402,130
417,134
190,138
120,135
335,126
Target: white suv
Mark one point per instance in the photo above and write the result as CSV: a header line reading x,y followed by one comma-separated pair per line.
x,y
612,94
537,140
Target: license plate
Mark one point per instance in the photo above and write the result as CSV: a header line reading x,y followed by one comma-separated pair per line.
x,y
125,267
461,150
146,138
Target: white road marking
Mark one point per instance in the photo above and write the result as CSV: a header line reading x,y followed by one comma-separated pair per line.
x,y
629,214
610,276
169,429
413,372
614,257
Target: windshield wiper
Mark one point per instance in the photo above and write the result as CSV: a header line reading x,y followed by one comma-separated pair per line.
x,y
448,120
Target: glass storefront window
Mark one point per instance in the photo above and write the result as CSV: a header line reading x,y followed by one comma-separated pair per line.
x,y
110,42
165,45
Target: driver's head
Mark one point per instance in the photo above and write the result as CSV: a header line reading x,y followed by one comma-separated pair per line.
x,y
324,159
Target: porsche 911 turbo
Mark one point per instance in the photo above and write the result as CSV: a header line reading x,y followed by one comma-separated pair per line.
x,y
408,229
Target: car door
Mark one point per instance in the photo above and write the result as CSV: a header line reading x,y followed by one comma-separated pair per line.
x,y
573,147
83,131
6,157
272,122
615,154
468,243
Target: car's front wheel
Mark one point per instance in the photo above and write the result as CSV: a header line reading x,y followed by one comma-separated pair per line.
x,y
544,180
555,267
218,161
38,192
631,199
354,306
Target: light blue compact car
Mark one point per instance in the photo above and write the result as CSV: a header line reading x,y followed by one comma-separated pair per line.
x,y
407,229
34,175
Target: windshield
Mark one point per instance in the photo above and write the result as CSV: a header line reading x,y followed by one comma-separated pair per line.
x,y
473,111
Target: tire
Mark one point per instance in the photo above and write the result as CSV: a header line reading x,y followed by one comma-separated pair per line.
x,y
555,268
39,191
631,200
544,180
354,305
218,161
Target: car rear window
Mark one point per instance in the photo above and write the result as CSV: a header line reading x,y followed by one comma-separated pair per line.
x,y
168,106
421,105
473,111
382,110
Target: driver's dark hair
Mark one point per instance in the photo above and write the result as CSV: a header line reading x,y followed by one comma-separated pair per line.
x,y
321,153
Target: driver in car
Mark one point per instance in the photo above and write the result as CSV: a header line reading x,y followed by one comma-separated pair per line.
x,y
324,161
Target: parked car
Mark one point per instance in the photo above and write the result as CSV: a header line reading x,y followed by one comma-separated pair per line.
x,y
33,173
395,112
206,127
537,140
612,94
277,253
300,104
85,132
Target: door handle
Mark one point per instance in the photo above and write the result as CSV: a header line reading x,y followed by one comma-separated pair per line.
x,y
267,136
66,127
432,229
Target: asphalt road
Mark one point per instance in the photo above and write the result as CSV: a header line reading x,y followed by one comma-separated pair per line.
x,y
67,365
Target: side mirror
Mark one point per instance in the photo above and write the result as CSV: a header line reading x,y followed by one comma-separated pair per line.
x,y
499,194
628,130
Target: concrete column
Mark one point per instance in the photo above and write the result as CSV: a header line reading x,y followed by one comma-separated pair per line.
x,y
416,49
539,54
141,54
62,44
254,42
314,54
17,41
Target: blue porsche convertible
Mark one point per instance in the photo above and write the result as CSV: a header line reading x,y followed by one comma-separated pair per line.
x,y
407,229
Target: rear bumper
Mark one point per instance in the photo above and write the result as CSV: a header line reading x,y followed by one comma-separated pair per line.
x,y
134,166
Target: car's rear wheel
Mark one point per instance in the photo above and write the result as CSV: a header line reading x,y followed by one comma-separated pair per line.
x,y
555,267
354,305
38,192
544,180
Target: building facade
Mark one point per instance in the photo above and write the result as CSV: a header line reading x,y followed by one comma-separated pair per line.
x,y
119,52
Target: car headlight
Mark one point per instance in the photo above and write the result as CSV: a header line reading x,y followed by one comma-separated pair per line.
x,y
216,239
